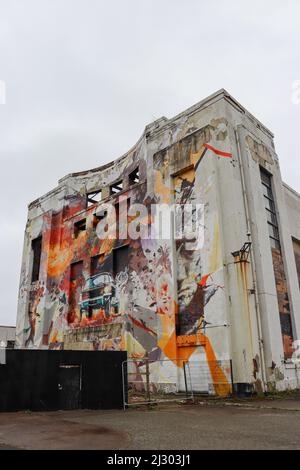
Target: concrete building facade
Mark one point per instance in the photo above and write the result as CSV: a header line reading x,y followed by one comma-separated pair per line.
x,y
7,336
234,298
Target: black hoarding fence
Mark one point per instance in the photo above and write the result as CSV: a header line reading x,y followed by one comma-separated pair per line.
x,y
66,379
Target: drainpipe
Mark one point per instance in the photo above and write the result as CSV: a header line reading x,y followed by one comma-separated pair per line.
x,y
252,263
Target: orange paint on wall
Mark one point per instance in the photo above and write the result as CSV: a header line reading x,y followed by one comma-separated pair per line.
x,y
59,260
220,381
161,189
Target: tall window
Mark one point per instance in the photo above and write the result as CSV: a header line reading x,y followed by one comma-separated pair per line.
x,y
36,245
76,284
270,208
278,265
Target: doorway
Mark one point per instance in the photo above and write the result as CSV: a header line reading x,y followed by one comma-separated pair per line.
x,y
69,386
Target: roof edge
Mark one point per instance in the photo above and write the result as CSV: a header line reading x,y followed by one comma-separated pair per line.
x,y
289,188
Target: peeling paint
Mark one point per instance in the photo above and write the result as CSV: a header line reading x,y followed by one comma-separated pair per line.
x,y
154,297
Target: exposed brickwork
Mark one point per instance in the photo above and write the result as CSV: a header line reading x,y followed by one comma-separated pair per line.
x,y
283,303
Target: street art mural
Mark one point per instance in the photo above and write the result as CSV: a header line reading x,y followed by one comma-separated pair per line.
x,y
155,298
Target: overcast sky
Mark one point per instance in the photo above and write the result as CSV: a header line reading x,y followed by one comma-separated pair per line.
x,y
83,78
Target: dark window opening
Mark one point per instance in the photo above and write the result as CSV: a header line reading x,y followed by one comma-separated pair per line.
x,y
96,264
76,271
94,197
134,177
76,283
266,180
99,217
116,187
79,226
36,245
120,259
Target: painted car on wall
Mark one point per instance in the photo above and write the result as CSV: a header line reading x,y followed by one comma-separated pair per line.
x,y
98,294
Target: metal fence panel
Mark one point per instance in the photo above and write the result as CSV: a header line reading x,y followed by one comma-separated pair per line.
x,y
166,380
154,382
211,377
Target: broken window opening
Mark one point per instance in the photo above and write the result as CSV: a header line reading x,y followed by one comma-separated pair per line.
x,y
98,218
94,197
134,176
79,227
120,259
116,187
36,245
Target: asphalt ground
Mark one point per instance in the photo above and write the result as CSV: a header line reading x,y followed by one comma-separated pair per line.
x,y
204,425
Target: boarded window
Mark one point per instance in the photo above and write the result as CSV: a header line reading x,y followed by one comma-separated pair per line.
x,y
36,264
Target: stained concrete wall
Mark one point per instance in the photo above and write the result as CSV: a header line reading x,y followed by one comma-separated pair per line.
x,y
292,202
210,305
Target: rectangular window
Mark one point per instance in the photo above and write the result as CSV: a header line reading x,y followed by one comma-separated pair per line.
x,y
266,180
76,284
76,271
278,264
94,197
116,187
36,245
96,264
134,177
120,259
273,232
79,227
99,217
271,217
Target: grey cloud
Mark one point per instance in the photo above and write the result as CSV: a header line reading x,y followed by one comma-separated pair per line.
x,y
84,77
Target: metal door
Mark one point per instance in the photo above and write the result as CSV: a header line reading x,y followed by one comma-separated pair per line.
x,y
69,386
